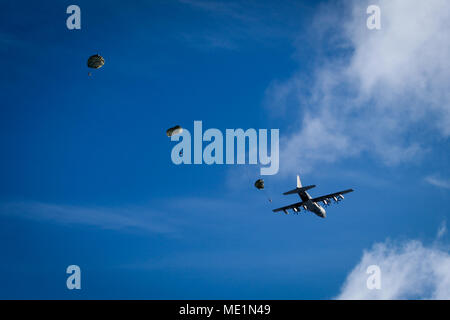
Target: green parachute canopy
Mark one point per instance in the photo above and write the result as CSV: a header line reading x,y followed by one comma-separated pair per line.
x,y
173,131
259,184
96,61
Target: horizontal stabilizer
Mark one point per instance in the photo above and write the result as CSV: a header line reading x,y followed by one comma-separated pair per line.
x,y
299,190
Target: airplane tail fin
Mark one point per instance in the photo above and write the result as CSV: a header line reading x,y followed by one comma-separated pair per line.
x,y
299,188
299,183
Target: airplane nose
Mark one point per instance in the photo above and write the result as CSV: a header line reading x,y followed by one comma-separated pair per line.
x,y
324,213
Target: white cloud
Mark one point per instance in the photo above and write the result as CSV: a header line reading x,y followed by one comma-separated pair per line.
x,y
438,182
408,271
379,91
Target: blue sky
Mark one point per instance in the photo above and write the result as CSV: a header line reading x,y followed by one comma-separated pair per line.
x,y
86,174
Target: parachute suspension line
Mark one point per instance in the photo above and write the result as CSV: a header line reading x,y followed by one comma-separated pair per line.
x,y
267,195
264,187
95,62
259,184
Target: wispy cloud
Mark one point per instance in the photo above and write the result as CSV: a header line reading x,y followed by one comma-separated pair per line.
x,y
209,41
170,217
408,271
124,219
10,39
438,182
227,8
372,91
442,230
232,24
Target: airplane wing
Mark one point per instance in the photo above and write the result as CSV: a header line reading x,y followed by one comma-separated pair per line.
x,y
292,206
331,195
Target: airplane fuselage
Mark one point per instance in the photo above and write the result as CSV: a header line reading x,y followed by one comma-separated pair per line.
x,y
312,206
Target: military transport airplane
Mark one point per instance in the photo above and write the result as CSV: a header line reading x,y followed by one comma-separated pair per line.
x,y
311,204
